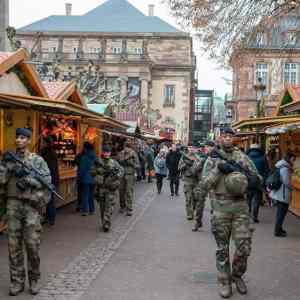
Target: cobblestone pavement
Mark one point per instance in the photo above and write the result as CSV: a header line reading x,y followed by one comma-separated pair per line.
x,y
86,261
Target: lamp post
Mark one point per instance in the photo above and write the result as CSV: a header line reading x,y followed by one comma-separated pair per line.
x,y
259,90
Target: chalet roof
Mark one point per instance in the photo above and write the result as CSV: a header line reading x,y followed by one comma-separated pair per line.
x,y
113,16
64,90
9,60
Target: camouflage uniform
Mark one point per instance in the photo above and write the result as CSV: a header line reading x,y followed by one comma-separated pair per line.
x,y
23,215
230,217
128,159
108,174
190,181
199,203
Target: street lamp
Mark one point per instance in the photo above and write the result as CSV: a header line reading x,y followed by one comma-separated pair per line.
x,y
259,90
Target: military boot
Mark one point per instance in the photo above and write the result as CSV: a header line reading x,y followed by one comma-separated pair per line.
x,y
15,289
240,285
225,289
35,287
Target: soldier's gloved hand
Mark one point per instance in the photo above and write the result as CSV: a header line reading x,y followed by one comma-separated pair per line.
x,y
225,168
32,182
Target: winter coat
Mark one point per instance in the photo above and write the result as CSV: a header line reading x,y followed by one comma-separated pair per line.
x,y
173,158
86,162
50,157
260,161
284,193
149,156
160,165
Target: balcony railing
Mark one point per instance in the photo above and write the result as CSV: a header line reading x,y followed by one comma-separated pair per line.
x,y
84,56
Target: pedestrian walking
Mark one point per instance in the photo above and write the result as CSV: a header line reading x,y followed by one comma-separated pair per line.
x,y
24,198
149,157
50,157
142,161
255,196
172,161
190,181
230,217
108,174
86,180
128,159
161,170
282,196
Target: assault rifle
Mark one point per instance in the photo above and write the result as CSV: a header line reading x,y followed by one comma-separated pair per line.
x,y
34,173
108,171
254,182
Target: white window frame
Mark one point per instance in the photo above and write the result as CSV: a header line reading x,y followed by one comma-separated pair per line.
x,y
262,71
52,49
75,49
291,38
117,50
291,71
138,50
261,39
169,95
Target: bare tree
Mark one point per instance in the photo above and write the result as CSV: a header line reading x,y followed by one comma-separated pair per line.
x,y
223,25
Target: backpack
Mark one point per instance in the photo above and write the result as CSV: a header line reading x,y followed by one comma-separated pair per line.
x,y
274,180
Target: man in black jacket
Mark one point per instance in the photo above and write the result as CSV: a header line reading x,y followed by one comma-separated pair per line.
x,y
172,162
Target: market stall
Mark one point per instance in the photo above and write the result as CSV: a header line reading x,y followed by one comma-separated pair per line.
x,y
289,140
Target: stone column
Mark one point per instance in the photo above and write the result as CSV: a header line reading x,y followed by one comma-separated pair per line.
x,y
144,92
124,89
4,23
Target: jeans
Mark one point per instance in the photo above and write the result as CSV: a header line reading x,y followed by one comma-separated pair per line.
x,y
282,209
254,201
174,182
51,211
79,192
87,198
159,182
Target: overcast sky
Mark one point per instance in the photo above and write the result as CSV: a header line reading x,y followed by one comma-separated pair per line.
x,y
24,12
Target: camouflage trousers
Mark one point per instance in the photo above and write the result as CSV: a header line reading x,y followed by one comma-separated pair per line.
x,y
24,227
199,209
127,192
106,199
189,199
230,220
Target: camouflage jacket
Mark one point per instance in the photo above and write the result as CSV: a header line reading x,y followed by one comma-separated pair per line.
x,y
34,193
186,168
107,173
129,160
213,180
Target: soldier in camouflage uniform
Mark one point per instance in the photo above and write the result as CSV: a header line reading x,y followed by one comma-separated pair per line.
x,y
108,174
128,159
230,217
24,198
197,170
190,181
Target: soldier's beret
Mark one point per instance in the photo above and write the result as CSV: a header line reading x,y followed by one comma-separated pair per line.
x,y
228,130
106,148
24,131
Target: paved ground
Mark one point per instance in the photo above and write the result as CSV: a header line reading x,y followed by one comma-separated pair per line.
x,y
155,255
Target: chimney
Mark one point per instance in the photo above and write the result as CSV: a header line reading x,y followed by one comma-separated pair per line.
x,y
68,9
151,10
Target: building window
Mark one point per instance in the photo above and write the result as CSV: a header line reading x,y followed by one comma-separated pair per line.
x,y
169,96
138,50
117,50
95,50
75,49
291,38
52,49
291,73
261,39
262,71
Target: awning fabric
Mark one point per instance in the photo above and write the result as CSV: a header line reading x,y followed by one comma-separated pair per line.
x,y
282,128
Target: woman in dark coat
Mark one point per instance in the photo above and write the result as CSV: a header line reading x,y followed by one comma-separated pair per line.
x,y
255,197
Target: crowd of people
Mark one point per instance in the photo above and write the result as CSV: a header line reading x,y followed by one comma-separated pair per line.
x,y
235,183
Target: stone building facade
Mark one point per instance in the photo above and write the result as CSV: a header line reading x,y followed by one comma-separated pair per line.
x,y
272,54
4,22
140,65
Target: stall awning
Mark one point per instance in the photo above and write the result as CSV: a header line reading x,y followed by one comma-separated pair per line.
x,y
46,105
282,128
106,122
